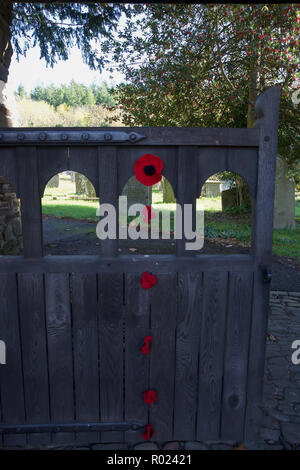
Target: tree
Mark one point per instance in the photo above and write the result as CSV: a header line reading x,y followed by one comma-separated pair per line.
x,y
205,65
55,28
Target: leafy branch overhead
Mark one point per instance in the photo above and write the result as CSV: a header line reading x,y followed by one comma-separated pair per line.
x,y
56,27
204,65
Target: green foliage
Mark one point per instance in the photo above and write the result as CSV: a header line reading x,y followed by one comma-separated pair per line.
x,y
57,27
205,64
41,114
72,95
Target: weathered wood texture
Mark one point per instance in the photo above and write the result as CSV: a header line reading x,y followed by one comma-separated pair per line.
x,y
111,349
11,374
59,340
86,351
34,352
267,109
153,136
187,352
211,358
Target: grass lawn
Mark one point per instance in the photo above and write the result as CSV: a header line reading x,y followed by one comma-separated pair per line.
x,y
57,202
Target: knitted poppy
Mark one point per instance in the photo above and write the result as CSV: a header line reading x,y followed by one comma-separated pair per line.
x,y
146,346
149,432
148,168
148,214
150,396
148,280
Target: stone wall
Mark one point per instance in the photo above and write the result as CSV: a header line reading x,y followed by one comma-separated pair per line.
x,y
10,221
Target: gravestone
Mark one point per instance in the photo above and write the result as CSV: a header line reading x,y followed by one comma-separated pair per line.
x,y
284,203
228,198
53,182
137,193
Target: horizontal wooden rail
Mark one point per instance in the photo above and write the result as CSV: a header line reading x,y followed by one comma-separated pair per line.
x,y
127,263
139,136
69,427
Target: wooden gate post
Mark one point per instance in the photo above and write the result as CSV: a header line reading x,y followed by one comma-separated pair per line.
x,y
267,109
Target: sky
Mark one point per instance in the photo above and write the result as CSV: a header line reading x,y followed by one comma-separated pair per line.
x,y
31,71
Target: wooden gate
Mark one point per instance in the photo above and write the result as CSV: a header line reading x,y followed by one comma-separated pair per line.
x,y
74,326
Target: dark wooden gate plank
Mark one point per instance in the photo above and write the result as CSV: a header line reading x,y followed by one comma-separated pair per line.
x,y
137,326
187,353
256,365
85,346
31,212
187,191
108,190
211,355
236,355
111,351
34,351
162,357
11,378
58,319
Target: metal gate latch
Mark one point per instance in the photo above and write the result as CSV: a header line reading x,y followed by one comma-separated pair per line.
x,y
267,276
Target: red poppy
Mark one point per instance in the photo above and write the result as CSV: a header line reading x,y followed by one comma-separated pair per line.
x,y
146,346
149,432
150,397
148,168
148,214
148,280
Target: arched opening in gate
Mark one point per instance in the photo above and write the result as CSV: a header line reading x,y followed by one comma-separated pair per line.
x,y
227,204
11,239
69,210
150,228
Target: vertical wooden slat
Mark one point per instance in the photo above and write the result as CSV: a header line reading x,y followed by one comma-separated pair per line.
x,y
137,318
108,190
162,357
187,352
267,109
28,177
11,378
111,351
34,351
58,319
186,189
85,346
236,355
211,355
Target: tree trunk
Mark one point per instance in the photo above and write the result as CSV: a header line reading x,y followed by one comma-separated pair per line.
x,y
5,59
10,227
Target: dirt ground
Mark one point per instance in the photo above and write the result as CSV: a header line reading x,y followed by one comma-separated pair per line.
x,y
71,237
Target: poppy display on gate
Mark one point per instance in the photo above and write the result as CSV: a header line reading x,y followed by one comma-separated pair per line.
x,y
150,397
148,169
149,432
148,280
